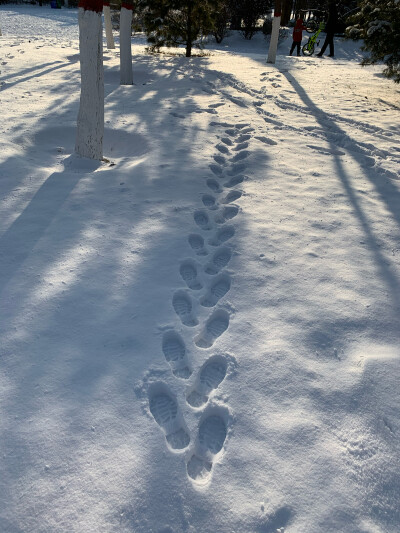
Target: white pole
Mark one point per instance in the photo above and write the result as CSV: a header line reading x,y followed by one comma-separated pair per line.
x,y
108,26
273,44
90,126
125,40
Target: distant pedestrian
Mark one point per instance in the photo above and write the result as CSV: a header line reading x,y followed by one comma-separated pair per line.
x,y
297,35
330,28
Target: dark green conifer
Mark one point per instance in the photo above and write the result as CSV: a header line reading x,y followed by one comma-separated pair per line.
x,y
378,23
178,22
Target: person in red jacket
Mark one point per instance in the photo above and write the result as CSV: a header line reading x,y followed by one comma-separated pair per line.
x,y
297,35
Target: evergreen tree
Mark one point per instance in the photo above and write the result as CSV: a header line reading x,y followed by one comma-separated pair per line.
x,y
249,12
176,22
221,18
242,15
378,23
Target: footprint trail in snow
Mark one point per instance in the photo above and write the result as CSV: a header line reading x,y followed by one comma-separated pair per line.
x,y
210,440
164,409
206,285
210,376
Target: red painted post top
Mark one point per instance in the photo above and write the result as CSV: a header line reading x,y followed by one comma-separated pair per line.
x,y
91,5
106,3
127,4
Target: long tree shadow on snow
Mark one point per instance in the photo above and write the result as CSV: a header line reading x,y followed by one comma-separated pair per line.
x,y
73,336
388,193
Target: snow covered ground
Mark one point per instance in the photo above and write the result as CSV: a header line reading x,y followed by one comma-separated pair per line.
x,y
202,334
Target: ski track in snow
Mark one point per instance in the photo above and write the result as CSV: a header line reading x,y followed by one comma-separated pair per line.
x,y
206,285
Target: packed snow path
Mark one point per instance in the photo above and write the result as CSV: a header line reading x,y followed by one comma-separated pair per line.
x,y
203,333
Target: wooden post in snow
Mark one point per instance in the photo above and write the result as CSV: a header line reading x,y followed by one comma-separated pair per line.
x,y
108,24
90,126
125,42
273,44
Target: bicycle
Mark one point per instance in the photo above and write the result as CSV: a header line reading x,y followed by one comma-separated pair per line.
x,y
312,19
311,25
309,48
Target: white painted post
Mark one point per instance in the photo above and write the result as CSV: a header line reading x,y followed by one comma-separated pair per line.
x,y
108,25
276,23
125,40
90,125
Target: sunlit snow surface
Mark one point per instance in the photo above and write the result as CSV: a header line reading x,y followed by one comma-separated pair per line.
x,y
200,334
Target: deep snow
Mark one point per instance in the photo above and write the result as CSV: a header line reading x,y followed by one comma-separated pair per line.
x,y
202,334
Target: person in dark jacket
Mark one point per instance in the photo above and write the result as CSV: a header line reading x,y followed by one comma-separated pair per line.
x,y
297,35
330,28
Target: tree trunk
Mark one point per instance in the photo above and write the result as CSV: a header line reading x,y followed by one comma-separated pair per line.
x,y
108,25
287,6
90,125
189,31
125,40
236,22
273,44
299,8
